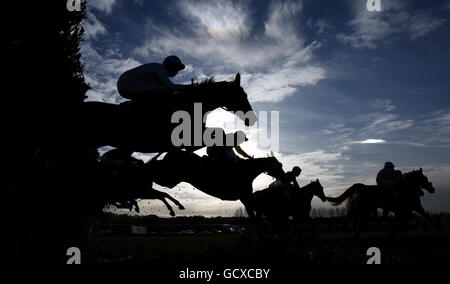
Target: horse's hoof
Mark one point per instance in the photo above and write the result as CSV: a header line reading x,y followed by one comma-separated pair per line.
x,y
181,207
172,214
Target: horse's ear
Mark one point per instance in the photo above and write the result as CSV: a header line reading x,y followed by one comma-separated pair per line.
x,y
317,180
237,80
421,170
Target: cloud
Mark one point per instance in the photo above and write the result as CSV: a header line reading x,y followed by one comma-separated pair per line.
x,y
430,130
280,23
383,104
371,141
446,6
218,19
396,21
221,37
420,25
104,6
281,83
320,25
93,27
102,72
436,129
384,123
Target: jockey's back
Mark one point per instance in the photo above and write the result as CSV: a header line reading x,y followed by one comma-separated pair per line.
x,y
143,80
140,82
386,177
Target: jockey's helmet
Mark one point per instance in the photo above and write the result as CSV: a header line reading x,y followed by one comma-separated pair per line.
x,y
296,171
389,165
173,62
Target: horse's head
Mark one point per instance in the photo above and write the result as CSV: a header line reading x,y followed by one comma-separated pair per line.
x,y
273,167
317,189
236,101
418,179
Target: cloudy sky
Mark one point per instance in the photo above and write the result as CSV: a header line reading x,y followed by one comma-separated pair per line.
x,y
353,88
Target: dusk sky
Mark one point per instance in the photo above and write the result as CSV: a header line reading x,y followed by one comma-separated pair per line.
x,y
353,88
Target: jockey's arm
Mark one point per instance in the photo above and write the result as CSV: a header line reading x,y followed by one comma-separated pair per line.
x,y
165,83
242,152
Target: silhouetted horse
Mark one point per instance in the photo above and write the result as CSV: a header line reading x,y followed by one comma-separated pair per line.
x,y
365,200
231,182
146,126
277,205
121,188
126,195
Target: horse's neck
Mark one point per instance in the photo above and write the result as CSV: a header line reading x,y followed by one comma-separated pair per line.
x,y
258,166
410,181
308,192
410,185
208,95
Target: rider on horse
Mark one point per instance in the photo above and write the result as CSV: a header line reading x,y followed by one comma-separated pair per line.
x,y
140,82
388,179
288,182
291,177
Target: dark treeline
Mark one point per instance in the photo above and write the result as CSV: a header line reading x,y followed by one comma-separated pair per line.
x,y
334,219
42,117
153,219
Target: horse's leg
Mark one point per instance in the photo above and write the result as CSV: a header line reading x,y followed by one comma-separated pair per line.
x,y
136,206
176,202
357,227
251,214
400,222
385,218
360,221
162,196
172,213
154,194
379,220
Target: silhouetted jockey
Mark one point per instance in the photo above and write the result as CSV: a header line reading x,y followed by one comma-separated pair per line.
x,y
227,153
288,182
120,164
388,179
153,78
291,177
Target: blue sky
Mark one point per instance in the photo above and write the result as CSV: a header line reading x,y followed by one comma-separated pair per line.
x,y
354,88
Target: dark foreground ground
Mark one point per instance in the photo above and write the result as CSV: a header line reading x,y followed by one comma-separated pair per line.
x,y
247,249
200,243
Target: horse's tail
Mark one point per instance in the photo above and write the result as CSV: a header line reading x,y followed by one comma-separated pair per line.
x,y
348,194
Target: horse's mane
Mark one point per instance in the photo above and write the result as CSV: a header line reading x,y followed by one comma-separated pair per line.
x,y
208,81
411,173
311,184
